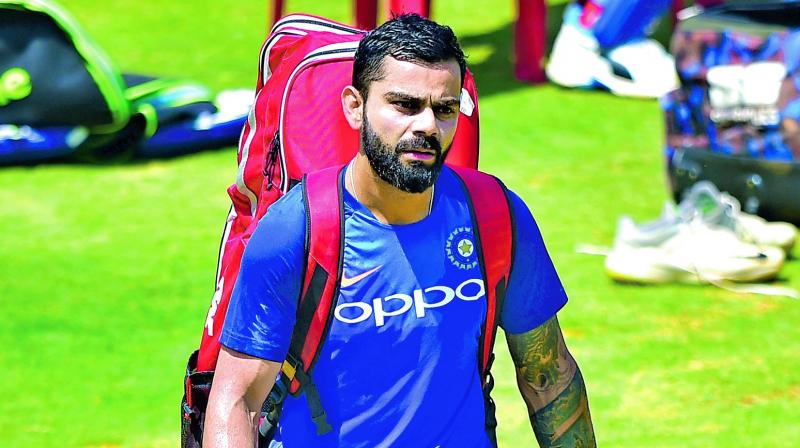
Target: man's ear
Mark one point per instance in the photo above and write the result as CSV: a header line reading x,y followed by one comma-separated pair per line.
x,y
353,107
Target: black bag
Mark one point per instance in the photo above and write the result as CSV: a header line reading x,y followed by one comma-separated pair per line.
x,y
53,74
60,95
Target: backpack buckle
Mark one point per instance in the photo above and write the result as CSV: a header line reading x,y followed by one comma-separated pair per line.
x,y
290,367
272,407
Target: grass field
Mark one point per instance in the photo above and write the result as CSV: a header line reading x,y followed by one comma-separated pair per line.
x,y
106,272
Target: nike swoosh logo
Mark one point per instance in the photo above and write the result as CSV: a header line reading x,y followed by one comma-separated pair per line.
x,y
353,280
759,256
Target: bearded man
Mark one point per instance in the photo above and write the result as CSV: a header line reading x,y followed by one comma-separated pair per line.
x,y
388,376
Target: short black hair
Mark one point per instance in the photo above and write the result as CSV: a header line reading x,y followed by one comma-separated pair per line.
x,y
407,37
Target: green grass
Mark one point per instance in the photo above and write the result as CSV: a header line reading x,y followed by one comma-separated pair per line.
x,y
107,271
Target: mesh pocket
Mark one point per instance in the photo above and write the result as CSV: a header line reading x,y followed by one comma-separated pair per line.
x,y
197,386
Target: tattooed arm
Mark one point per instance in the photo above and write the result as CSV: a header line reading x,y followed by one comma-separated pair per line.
x,y
552,386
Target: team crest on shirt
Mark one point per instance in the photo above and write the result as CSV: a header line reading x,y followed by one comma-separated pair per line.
x,y
461,249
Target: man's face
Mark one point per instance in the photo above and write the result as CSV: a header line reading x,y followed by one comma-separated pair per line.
x,y
409,121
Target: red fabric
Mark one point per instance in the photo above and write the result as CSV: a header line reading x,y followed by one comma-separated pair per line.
x,y
493,219
325,220
397,7
325,234
365,14
464,150
530,41
591,13
277,11
282,50
313,118
235,238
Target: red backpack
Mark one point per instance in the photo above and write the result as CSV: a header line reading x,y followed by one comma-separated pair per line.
x,y
296,127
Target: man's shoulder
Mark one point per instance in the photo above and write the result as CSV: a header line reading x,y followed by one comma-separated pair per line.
x,y
284,221
517,204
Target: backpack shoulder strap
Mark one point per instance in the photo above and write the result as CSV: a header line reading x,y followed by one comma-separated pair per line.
x,y
491,213
323,270
324,235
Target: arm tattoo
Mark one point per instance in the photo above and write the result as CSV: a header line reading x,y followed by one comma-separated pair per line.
x,y
536,354
552,386
566,421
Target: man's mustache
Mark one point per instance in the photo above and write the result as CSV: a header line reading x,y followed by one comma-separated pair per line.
x,y
417,142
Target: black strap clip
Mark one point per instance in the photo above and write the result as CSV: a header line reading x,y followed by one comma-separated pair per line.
x,y
318,414
272,407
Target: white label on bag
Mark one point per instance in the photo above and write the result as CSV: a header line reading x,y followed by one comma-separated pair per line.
x,y
467,105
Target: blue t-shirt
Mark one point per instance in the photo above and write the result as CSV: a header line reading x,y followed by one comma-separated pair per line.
x,y
399,367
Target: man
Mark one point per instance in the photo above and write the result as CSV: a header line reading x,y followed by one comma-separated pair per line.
x,y
389,375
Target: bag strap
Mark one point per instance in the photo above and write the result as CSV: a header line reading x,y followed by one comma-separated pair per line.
x,y
321,277
493,233
491,214
324,244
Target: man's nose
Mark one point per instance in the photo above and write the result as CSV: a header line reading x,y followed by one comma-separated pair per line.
x,y
425,123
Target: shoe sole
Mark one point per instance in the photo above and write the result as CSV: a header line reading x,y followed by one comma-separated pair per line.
x,y
630,270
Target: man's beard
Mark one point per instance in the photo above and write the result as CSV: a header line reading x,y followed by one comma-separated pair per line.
x,y
412,177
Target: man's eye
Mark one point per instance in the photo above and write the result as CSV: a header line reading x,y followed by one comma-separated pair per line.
x,y
444,110
407,105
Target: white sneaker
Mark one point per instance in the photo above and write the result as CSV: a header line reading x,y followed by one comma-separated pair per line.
x,y
756,229
648,70
694,253
720,208
575,57
705,202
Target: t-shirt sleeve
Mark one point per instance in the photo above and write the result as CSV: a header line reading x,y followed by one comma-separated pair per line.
x,y
261,312
535,292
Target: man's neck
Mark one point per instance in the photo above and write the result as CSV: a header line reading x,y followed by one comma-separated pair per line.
x,y
389,204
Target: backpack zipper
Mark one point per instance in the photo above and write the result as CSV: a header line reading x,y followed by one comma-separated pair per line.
x,y
272,160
